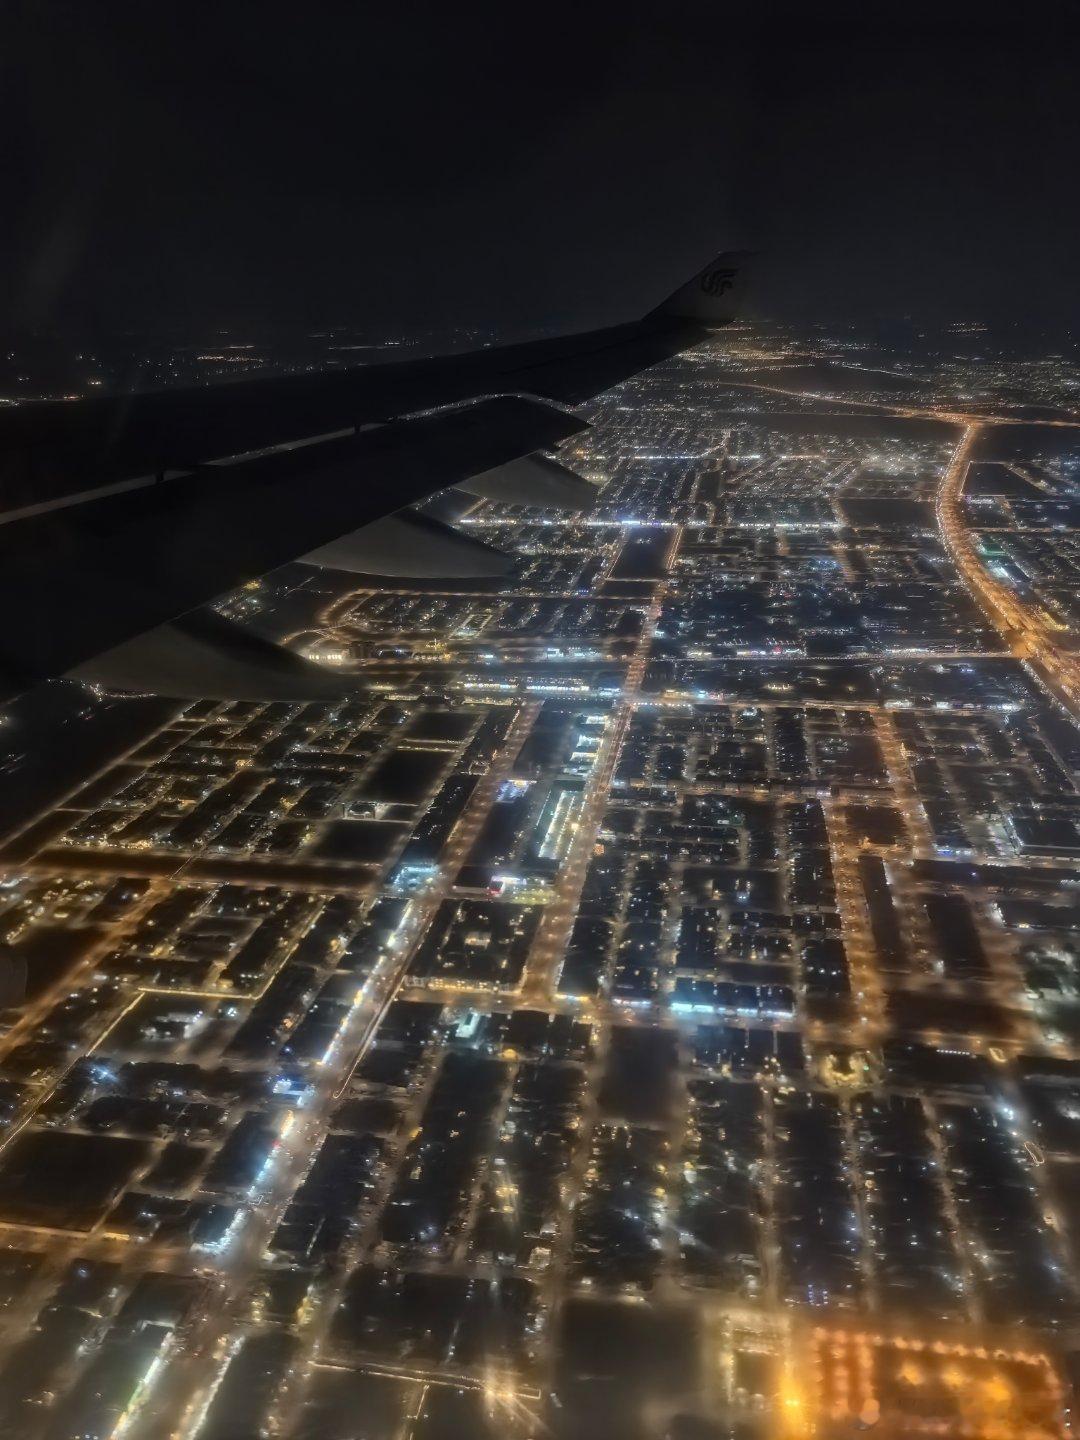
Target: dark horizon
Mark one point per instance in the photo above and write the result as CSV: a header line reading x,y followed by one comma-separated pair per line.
x,y
415,171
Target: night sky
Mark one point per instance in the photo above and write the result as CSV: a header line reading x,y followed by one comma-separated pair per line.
x,y
533,166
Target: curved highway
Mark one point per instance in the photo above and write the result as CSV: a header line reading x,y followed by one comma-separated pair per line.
x,y
1026,633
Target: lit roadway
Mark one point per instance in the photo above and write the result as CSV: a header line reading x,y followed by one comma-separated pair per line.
x,y
1028,633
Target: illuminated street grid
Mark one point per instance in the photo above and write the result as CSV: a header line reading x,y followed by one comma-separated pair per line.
x,y
650,993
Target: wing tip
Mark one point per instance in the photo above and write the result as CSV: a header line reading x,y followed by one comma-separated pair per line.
x,y
714,296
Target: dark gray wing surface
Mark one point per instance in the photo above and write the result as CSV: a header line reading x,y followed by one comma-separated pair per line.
x,y
60,448
118,515
86,578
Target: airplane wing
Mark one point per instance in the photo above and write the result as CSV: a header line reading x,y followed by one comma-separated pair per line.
x,y
120,514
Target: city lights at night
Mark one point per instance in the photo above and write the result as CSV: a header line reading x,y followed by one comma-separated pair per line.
x,y
539,812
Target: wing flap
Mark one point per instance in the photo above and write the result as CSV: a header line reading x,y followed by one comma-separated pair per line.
x,y
411,546
204,656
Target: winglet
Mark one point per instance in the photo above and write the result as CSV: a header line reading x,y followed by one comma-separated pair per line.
x,y
714,296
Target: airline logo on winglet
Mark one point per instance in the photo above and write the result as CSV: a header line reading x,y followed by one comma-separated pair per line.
x,y
712,297
716,281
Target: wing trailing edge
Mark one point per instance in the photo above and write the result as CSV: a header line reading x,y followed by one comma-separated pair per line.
x,y
535,480
203,656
